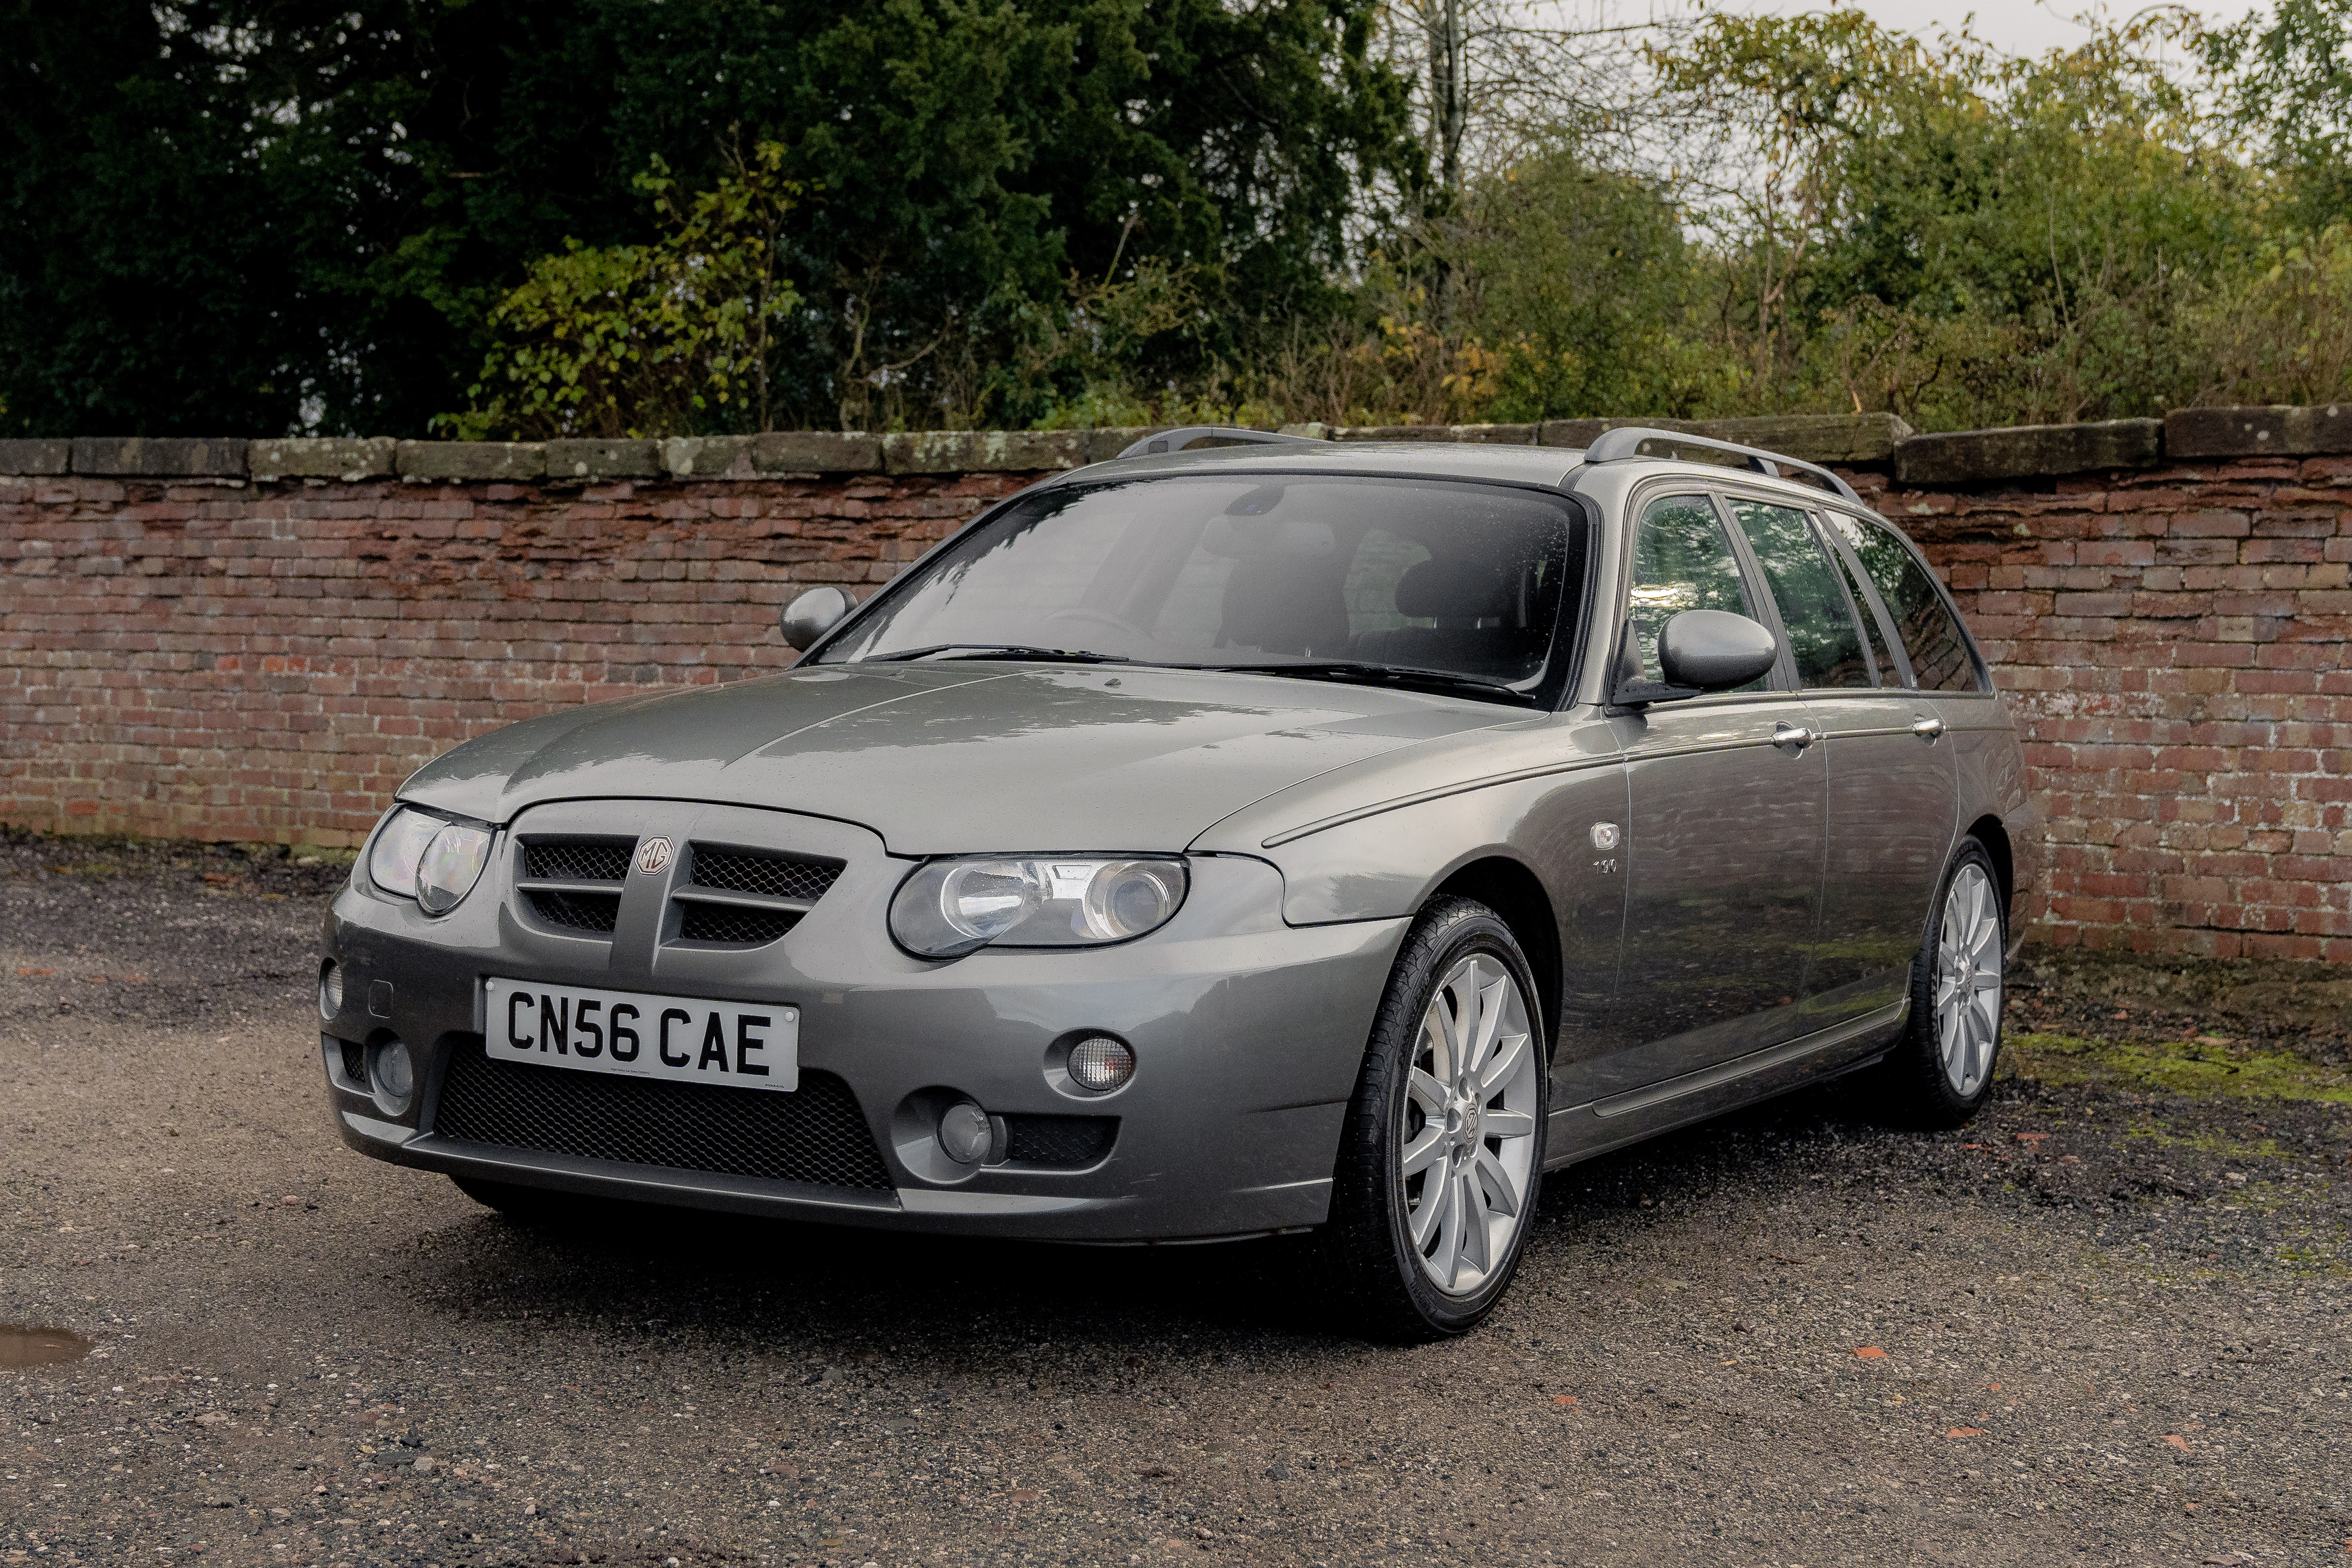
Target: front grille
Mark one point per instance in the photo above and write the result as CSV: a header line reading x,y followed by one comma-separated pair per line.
x,y
580,910
354,1061
723,923
1071,1141
802,878
815,1135
577,860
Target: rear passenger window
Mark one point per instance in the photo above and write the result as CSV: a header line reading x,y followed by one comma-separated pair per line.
x,y
1822,636
1940,655
1890,673
1682,560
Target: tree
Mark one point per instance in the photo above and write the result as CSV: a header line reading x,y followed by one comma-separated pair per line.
x,y
2285,82
653,338
266,215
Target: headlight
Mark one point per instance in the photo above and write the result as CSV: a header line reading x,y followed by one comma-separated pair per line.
x,y
427,857
950,907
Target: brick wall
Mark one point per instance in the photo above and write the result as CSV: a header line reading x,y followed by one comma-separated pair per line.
x,y
251,658
2172,642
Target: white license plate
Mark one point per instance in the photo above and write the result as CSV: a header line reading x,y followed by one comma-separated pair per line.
x,y
742,1045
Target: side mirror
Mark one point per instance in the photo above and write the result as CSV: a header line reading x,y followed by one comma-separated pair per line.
x,y
1713,650
811,614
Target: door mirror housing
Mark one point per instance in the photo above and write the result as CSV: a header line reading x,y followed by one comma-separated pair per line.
x,y
1713,650
811,614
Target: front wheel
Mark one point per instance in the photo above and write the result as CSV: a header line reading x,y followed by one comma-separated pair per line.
x,y
1442,1152
1939,1074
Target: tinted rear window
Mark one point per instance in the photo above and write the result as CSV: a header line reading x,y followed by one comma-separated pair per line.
x,y
1940,655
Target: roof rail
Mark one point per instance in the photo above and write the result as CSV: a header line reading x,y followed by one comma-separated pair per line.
x,y
1184,435
1627,440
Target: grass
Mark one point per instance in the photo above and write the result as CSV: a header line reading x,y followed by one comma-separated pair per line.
x,y
2206,1067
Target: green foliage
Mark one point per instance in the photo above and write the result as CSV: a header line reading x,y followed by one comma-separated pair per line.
x,y
2286,84
1581,282
274,216
2283,333
2206,1067
649,339
266,215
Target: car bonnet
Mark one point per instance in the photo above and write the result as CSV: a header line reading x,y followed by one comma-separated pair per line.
x,y
952,757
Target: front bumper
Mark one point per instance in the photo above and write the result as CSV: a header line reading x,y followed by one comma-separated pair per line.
x,y
1248,1034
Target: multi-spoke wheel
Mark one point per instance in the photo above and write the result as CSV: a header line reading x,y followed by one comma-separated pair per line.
x,y
1968,979
1444,1149
1468,1124
1940,1071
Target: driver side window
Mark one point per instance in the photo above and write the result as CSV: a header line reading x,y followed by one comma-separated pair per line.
x,y
1682,560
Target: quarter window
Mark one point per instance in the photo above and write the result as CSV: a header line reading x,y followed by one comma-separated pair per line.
x,y
1940,655
1822,636
1682,560
1890,673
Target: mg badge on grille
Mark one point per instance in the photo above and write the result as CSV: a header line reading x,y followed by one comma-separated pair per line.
x,y
652,855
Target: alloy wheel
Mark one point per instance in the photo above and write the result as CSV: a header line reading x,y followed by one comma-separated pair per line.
x,y
1967,979
1468,1123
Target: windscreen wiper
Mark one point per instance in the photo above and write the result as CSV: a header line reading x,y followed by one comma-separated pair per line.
x,y
994,650
1384,674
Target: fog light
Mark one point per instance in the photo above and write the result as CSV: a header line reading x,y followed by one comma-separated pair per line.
x,y
1101,1063
392,1074
964,1134
330,989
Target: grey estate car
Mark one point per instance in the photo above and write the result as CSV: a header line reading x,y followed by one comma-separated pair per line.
x,y
1273,836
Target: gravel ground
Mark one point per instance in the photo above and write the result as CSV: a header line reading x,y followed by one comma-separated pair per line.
x,y
2099,1326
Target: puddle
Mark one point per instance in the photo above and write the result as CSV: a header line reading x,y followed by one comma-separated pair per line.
x,y
22,1346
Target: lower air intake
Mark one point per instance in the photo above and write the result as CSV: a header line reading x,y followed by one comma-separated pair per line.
x,y
815,1135
1071,1142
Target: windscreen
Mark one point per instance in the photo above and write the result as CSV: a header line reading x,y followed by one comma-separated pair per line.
x,y
1251,571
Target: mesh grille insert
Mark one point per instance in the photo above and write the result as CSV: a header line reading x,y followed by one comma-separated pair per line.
x,y
720,922
1058,1140
577,860
815,1135
580,910
802,878
354,1061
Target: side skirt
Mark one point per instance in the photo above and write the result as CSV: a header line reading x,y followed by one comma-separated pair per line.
x,y
1580,1131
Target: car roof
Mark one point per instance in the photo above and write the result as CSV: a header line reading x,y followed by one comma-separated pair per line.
x,y
1555,468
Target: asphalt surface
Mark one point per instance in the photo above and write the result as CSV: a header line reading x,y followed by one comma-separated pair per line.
x,y
2097,1327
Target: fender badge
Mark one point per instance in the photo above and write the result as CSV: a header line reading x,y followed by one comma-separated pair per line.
x,y
652,855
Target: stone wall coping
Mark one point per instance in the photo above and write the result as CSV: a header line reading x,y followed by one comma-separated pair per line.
x,y
1949,460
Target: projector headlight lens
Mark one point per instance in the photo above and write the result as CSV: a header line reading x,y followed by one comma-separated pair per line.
x,y
427,857
399,846
452,864
950,907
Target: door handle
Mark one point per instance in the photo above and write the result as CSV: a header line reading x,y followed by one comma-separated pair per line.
x,y
1793,736
1927,729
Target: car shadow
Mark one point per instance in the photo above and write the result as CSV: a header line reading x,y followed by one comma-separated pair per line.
x,y
663,1272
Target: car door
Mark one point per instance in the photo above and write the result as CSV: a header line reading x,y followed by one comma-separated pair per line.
x,y
1893,790
1727,802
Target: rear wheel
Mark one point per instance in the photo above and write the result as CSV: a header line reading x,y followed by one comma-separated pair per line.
x,y
1443,1152
1939,1074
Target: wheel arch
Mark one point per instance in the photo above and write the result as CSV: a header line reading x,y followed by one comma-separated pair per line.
x,y
1517,896
1989,832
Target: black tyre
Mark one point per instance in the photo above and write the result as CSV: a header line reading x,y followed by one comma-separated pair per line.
x,y
1442,1156
1939,1074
